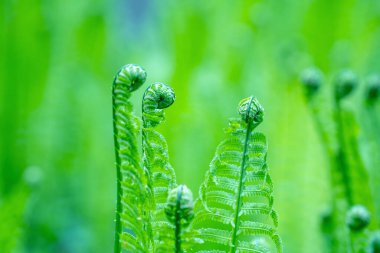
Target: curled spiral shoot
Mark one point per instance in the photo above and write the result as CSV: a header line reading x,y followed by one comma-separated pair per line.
x,y
251,111
130,181
180,200
373,88
156,98
179,211
345,83
312,79
131,77
358,218
157,168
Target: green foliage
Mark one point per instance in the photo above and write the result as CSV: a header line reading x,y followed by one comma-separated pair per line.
x,y
11,212
350,180
345,83
358,218
131,215
160,174
312,80
179,211
373,89
235,205
56,58
154,215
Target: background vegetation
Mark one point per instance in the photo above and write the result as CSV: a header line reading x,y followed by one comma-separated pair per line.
x,y
57,60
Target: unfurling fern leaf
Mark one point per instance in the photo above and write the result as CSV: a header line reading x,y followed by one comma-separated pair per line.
x,y
179,212
131,229
357,219
234,212
157,168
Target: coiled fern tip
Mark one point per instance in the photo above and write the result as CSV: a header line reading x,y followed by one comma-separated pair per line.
x,y
180,202
131,75
251,110
358,218
345,82
312,79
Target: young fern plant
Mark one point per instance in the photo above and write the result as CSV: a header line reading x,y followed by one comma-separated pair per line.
x,y
333,222
171,205
358,219
234,212
350,182
179,211
142,224
131,230
371,124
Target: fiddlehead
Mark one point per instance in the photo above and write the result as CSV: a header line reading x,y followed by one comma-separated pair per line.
x,y
157,168
371,122
236,198
312,79
130,228
251,111
345,83
352,167
373,89
358,219
331,220
179,211
156,98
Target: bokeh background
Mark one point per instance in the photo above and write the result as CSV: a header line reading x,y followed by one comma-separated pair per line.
x,y
57,62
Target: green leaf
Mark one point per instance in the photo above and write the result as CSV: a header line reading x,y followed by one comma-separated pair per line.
x,y
234,212
131,219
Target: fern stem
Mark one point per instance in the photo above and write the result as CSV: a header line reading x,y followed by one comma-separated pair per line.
x,y
156,98
341,159
118,226
125,128
242,174
178,221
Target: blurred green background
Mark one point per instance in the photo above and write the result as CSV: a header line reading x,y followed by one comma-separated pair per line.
x,y
57,62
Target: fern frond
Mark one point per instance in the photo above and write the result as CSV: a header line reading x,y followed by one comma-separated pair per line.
x,y
358,218
358,173
234,210
179,211
157,97
130,218
157,168
352,166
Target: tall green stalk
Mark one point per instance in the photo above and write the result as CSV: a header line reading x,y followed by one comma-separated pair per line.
x,y
129,227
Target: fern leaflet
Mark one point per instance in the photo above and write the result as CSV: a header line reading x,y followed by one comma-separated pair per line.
x,y
159,172
130,232
234,212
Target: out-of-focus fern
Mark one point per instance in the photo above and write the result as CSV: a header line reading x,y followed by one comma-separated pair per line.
x,y
352,165
349,177
11,216
358,219
131,216
234,212
160,173
332,222
371,125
